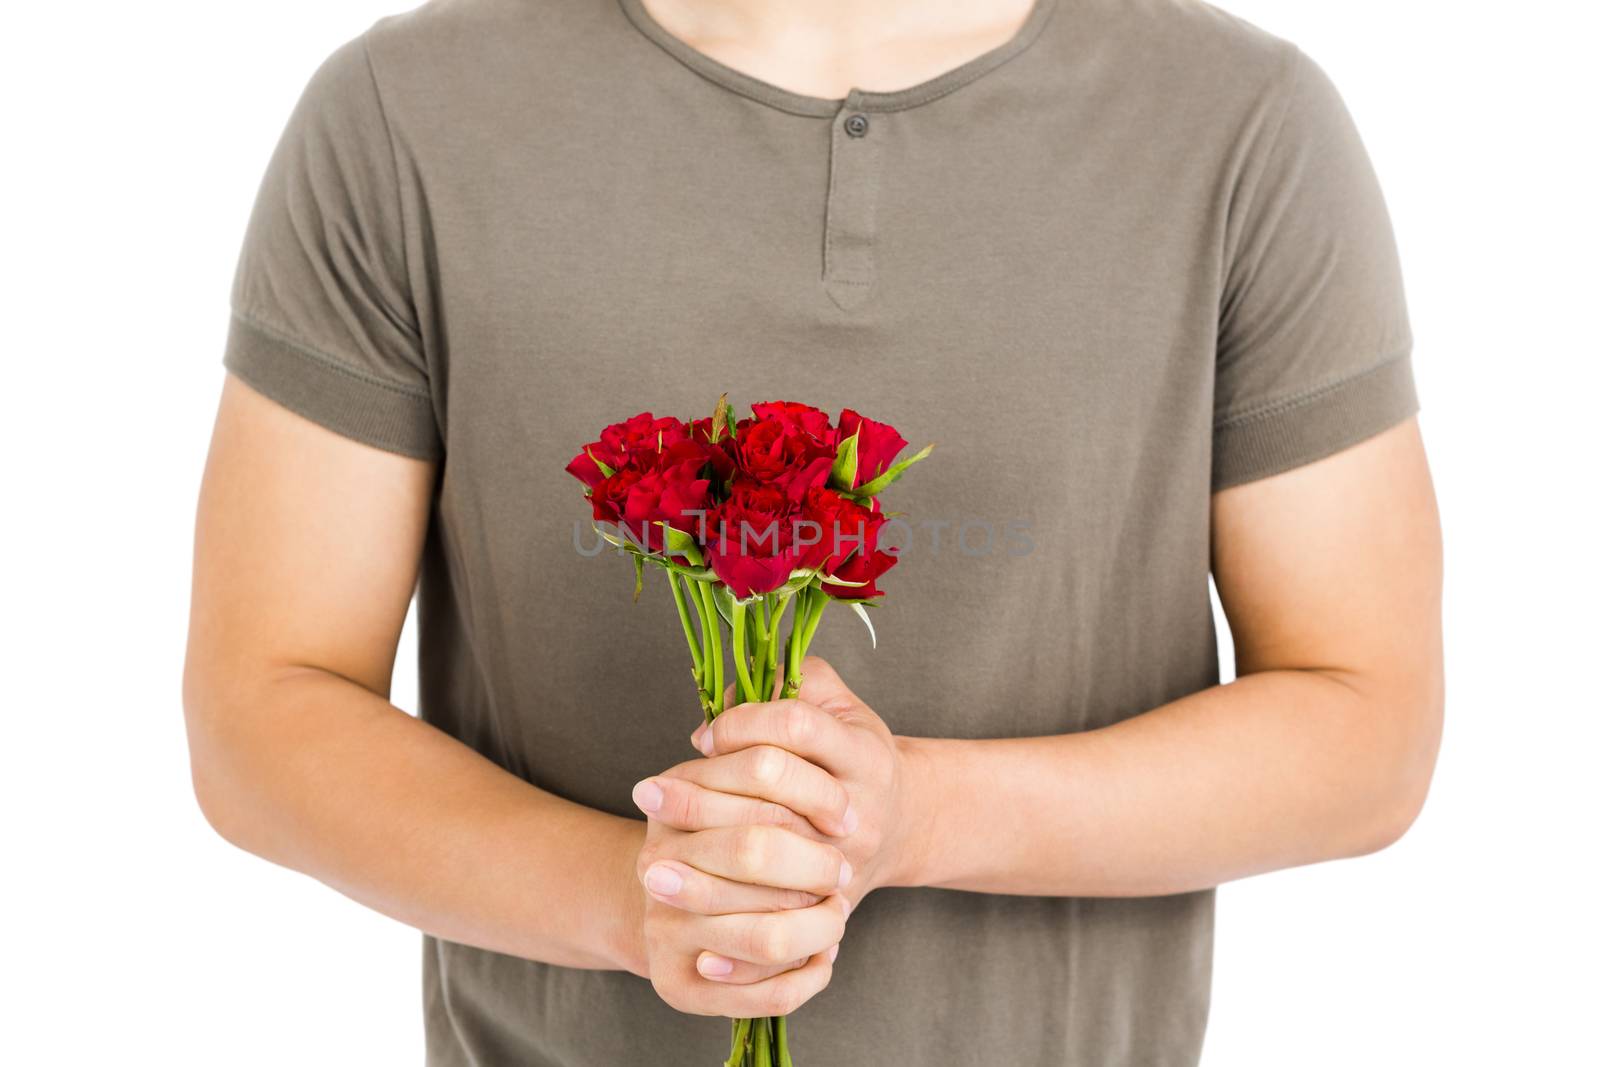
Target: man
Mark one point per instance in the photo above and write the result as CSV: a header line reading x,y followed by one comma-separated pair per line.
x,y
1126,260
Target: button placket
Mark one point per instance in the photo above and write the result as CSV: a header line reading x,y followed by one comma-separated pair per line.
x,y
850,223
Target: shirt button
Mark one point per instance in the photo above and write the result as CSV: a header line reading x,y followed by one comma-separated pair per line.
x,y
856,125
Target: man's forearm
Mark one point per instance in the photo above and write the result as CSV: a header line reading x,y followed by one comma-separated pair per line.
x,y
1274,770
319,774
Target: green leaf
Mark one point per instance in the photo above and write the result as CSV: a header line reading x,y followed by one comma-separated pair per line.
x,y
620,537
798,580
624,539
638,577
695,574
722,596
844,463
720,420
605,470
883,481
861,609
681,544
611,539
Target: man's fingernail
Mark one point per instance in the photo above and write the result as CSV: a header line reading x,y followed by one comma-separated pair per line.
x,y
713,966
833,953
663,881
851,820
648,796
705,743
845,873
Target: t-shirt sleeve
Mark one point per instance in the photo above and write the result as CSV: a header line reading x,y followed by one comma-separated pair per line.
x,y
323,315
1314,342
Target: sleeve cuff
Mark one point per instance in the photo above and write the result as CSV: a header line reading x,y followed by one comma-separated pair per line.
x,y
383,414
1299,430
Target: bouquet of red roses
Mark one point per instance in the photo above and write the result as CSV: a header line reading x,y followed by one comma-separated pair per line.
x,y
749,520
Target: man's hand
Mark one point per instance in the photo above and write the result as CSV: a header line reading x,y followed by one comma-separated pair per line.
x,y
741,920
822,766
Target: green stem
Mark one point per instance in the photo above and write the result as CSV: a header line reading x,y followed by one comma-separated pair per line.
x,y
770,683
769,634
711,634
718,684
763,1043
741,1032
806,618
819,601
792,653
781,1023
741,662
759,656
700,594
758,646
688,628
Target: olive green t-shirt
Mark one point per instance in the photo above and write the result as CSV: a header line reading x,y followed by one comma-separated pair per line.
x,y
1135,255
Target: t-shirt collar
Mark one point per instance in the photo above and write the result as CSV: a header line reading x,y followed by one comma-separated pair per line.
x,y
858,99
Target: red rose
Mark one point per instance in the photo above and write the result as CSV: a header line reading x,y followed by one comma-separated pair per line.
x,y
625,442
700,430
643,433
787,457
830,529
674,496
801,417
610,495
861,567
584,468
878,445
705,461
752,539
636,500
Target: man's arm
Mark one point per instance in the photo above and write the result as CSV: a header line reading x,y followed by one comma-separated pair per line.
x,y
306,554
1321,749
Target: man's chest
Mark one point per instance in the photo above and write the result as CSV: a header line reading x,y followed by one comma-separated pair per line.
x,y
1054,337
1034,281
742,231
1050,325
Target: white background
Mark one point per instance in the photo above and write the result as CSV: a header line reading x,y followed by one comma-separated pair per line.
x,y
136,134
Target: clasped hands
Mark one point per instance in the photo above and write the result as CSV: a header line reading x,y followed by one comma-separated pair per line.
x,y
754,855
